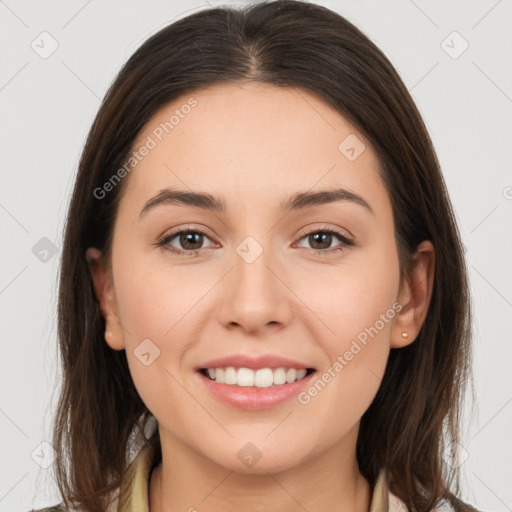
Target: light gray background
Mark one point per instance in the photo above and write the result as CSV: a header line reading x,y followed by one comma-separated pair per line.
x,y
47,106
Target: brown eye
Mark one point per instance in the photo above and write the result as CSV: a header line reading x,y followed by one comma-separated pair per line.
x,y
189,242
321,240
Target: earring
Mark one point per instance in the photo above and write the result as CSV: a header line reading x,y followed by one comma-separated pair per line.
x,y
404,335
108,335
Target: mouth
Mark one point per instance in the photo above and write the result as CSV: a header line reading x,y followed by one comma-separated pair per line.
x,y
255,378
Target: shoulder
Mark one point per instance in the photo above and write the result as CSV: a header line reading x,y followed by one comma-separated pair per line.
x,y
450,504
397,505
457,505
54,508
61,508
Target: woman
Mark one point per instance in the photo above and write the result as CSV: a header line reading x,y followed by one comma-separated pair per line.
x,y
261,261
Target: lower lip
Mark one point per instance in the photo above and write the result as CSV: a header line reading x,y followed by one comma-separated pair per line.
x,y
253,398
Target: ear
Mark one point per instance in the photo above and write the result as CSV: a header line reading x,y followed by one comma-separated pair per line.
x,y
414,296
104,288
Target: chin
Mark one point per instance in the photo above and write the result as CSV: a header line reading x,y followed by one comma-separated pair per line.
x,y
259,458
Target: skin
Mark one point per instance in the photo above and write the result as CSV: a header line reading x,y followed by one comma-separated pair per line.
x,y
255,145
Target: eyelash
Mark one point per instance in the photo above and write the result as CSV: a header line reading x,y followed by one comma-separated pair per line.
x,y
346,242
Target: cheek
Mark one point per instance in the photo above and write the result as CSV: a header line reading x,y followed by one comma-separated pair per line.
x,y
154,298
361,306
353,298
355,302
159,312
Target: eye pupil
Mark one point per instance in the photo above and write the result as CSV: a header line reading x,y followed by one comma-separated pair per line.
x,y
188,238
322,236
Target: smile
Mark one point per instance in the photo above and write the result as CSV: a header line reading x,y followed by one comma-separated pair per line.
x,y
254,389
260,378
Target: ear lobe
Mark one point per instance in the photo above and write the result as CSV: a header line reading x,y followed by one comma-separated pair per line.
x,y
104,289
415,296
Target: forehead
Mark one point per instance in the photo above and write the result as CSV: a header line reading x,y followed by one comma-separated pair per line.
x,y
251,141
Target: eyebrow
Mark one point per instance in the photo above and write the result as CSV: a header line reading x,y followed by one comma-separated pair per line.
x,y
298,201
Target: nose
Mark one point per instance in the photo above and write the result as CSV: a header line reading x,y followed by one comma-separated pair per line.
x,y
254,294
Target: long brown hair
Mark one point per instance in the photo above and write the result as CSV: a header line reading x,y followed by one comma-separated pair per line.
x,y
414,417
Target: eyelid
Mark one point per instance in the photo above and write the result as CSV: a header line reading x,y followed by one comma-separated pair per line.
x,y
346,240
326,227
167,236
199,228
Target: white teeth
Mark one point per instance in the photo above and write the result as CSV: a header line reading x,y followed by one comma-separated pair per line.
x,y
279,376
230,376
291,375
262,378
301,373
244,377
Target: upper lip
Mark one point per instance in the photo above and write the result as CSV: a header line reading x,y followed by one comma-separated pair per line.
x,y
246,361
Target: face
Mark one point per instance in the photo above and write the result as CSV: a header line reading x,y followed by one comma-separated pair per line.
x,y
316,284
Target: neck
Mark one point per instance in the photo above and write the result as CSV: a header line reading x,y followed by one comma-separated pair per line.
x,y
186,481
